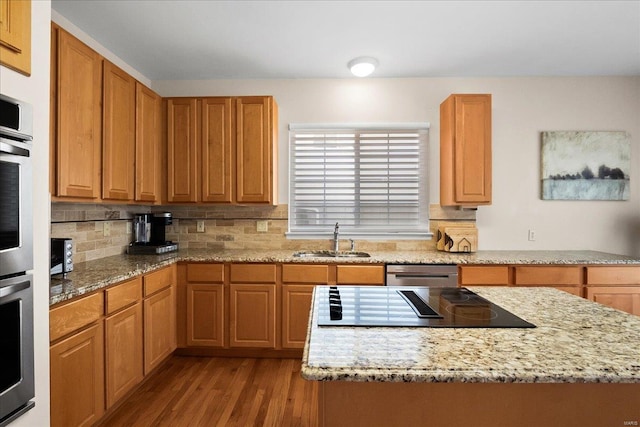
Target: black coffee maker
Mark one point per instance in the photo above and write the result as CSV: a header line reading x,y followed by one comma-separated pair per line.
x,y
149,234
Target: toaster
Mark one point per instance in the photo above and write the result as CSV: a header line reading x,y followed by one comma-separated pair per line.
x,y
61,255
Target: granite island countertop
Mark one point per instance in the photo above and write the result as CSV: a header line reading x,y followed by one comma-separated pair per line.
x,y
93,275
575,341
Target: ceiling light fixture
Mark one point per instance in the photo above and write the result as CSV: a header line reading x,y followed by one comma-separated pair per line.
x,y
362,66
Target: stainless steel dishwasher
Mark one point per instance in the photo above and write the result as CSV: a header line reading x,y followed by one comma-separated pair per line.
x,y
433,275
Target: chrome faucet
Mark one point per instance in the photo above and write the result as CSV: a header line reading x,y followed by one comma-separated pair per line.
x,y
336,238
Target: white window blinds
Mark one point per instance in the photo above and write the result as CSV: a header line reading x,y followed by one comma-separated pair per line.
x,y
372,180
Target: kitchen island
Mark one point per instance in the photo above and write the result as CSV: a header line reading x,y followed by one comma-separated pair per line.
x,y
580,366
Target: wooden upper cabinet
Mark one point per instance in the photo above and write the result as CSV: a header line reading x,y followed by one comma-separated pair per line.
x,y
217,150
236,142
256,138
465,150
118,140
15,35
78,118
148,169
182,149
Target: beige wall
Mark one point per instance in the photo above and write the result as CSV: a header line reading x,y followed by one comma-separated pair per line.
x,y
35,90
522,108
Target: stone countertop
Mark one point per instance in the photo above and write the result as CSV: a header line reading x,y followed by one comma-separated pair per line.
x,y
92,275
575,340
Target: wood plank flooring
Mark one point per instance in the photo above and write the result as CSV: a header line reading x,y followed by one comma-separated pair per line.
x,y
216,391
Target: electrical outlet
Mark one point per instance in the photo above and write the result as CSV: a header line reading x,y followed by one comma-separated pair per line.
x,y
532,235
262,226
200,226
129,227
106,230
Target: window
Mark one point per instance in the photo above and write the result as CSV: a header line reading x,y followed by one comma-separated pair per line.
x,y
371,179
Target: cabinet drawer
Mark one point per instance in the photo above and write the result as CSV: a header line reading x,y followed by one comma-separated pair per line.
x,y
122,295
157,280
253,273
618,275
547,275
75,315
305,273
205,273
360,275
484,275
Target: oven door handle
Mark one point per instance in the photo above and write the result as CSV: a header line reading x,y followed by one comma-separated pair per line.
x,y
12,289
12,149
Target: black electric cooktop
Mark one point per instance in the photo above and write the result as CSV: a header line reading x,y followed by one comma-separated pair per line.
x,y
410,306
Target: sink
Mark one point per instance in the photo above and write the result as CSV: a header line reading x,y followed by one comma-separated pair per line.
x,y
330,254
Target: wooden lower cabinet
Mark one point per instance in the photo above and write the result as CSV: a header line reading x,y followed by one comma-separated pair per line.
x,y
77,378
123,352
296,305
360,275
564,278
474,275
205,315
252,315
624,298
159,328
103,344
615,286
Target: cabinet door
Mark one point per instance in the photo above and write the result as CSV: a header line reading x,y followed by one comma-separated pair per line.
x,y
118,141
182,150
123,352
77,379
465,150
205,315
252,317
15,35
624,298
254,150
217,151
79,123
296,304
159,328
147,163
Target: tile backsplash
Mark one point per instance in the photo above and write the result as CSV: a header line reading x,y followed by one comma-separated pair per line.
x,y
225,227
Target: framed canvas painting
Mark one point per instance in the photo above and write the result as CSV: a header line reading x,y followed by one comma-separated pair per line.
x,y
581,165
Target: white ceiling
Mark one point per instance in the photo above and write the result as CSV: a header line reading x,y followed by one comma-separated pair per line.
x,y
190,40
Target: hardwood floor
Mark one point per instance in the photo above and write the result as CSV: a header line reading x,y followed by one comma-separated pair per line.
x,y
215,391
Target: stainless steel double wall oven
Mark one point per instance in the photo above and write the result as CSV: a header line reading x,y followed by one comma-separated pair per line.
x,y
16,258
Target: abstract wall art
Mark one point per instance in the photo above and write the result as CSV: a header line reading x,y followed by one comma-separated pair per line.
x,y
582,165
